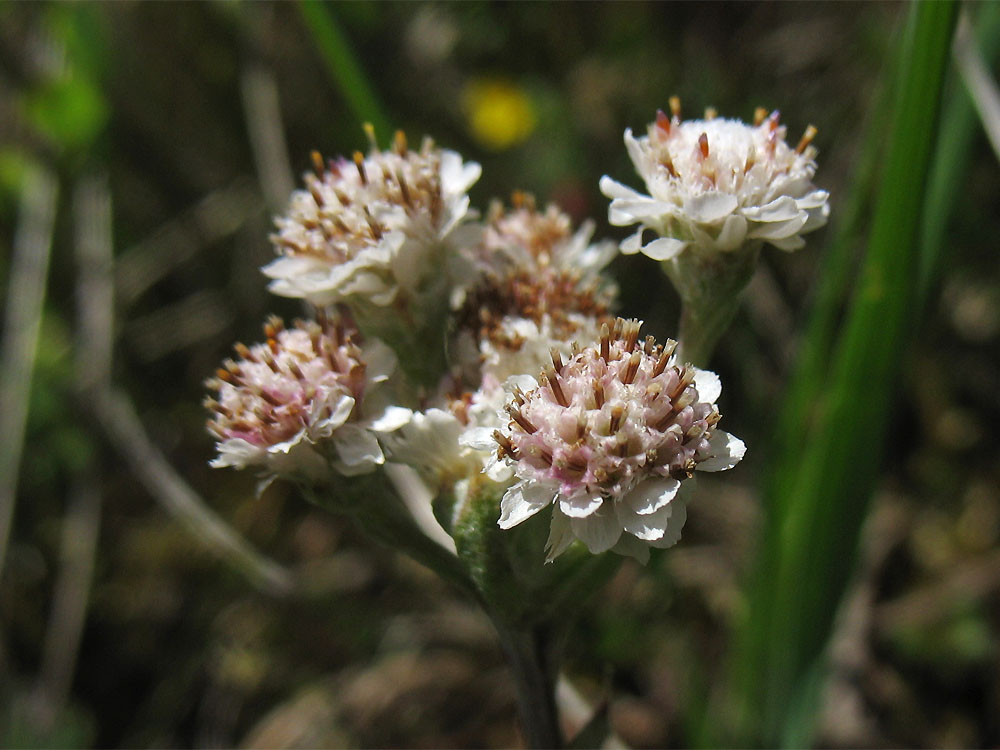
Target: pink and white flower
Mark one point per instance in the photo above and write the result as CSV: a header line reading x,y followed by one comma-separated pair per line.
x,y
716,185
301,404
365,229
608,439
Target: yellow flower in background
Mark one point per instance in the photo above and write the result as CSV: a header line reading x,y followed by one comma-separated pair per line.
x,y
500,114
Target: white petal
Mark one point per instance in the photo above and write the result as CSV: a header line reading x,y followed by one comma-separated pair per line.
x,y
779,230
580,506
709,208
727,451
357,447
560,535
392,419
650,527
379,359
478,438
237,452
708,385
664,248
614,189
648,496
599,531
795,242
629,546
522,501
632,244
815,199
781,209
672,532
733,234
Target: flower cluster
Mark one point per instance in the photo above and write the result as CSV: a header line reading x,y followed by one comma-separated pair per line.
x,y
516,390
371,227
607,438
301,403
716,185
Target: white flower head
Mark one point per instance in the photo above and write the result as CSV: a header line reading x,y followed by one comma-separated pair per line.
x,y
540,286
362,230
717,185
299,403
608,438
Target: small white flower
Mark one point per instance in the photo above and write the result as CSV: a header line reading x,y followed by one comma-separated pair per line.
x,y
300,403
608,438
716,185
363,230
540,287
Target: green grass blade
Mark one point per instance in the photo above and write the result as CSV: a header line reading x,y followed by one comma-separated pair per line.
x,y
830,453
952,155
343,65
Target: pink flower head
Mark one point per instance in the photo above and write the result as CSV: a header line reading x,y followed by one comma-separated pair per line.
x,y
608,437
293,405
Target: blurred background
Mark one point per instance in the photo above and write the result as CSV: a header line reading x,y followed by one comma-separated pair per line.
x,y
147,600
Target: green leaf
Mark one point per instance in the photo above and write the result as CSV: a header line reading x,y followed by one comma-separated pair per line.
x,y
834,430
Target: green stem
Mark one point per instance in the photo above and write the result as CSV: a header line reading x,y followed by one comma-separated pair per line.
x,y
534,660
709,286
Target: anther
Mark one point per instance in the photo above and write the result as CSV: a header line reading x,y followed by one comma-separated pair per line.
x,y
632,368
359,162
605,342
521,420
317,162
557,362
806,139
315,192
370,135
711,113
506,447
617,412
758,115
662,122
556,388
598,394
772,121
631,334
403,188
703,145
244,351
675,106
399,143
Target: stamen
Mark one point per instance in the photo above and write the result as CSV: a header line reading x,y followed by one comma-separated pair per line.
x,y
599,394
556,388
317,162
631,334
662,122
507,448
359,162
711,113
703,145
557,362
617,412
403,188
522,421
806,139
758,116
675,106
661,363
399,143
370,135
632,368
605,342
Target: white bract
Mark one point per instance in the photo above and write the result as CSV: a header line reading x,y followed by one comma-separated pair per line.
x,y
717,185
366,229
301,403
607,439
